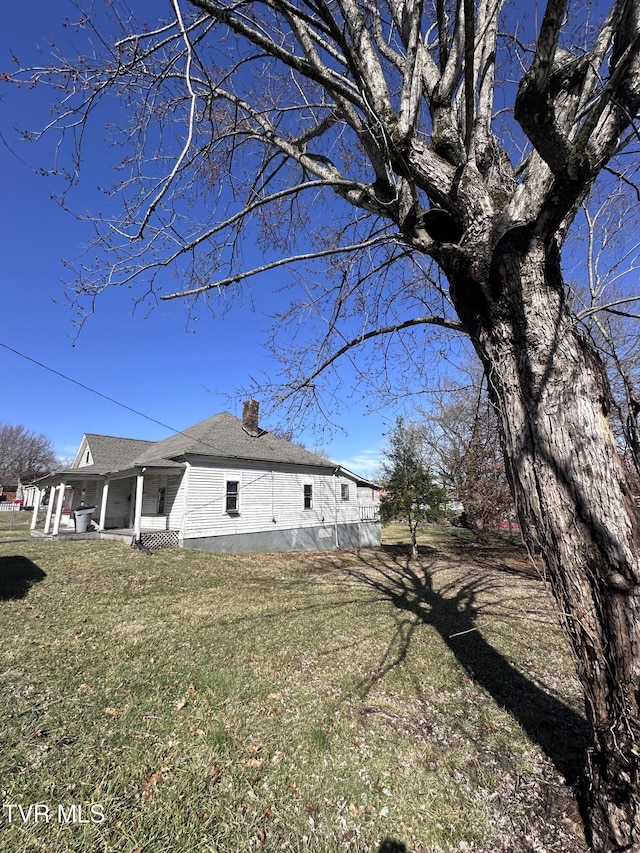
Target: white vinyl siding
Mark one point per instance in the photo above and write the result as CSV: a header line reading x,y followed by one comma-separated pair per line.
x,y
87,494
119,503
176,496
268,499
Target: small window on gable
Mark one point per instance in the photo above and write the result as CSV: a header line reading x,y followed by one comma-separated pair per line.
x,y
344,491
232,499
308,496
87,458
162,496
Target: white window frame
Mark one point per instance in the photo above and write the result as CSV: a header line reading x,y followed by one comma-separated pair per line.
x,y
307,494
228,494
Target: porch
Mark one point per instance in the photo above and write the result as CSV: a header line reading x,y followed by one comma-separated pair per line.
x,y
137,506
154,540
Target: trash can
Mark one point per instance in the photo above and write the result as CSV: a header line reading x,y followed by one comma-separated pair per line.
x,y
82,517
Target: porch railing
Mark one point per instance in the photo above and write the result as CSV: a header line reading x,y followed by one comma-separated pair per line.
x,y
369,512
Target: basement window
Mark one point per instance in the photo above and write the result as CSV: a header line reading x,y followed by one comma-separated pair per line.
x,y
232,498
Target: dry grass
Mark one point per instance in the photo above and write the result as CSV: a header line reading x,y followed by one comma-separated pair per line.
x,y
14,523
304,703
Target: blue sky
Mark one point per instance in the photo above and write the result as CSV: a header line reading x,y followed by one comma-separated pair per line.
x,y
152,364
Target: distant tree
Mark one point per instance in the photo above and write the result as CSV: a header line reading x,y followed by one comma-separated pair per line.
x,y
23,454
461,439
410,493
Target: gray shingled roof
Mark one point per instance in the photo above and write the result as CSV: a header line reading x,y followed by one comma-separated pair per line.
x,y
223,436
110,453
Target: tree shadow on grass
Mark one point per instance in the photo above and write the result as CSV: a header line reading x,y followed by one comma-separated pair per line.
x,y
17,575
453,610
390,845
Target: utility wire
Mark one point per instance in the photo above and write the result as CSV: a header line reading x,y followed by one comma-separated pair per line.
x,y
88,388
100,394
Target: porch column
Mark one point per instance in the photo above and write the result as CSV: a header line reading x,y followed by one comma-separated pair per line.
x,y
52,494
103,505
56,522
36,508
137,518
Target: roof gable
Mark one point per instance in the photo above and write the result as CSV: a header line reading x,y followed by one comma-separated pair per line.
x,y
108,452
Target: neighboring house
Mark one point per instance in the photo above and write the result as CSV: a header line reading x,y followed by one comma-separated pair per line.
x,y
223,485
8,493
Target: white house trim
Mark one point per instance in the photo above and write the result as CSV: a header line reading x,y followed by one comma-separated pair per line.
x,y
103,505
60,504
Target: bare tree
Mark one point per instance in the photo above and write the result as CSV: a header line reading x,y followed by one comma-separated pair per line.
x,y
390,139
23,454
460,433
611,315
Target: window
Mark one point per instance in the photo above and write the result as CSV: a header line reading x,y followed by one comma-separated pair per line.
x,y
162,495
308,496
344,491
232,500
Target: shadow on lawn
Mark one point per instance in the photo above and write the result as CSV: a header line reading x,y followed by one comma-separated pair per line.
x,y
452,610
17,575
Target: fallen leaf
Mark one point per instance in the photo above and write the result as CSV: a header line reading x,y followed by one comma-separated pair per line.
x,y
112,712
151,784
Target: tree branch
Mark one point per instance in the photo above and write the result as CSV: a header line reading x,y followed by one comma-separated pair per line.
x,y
304,256
355,342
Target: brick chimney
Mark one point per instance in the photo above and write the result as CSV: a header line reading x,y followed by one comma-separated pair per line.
x,y
250,418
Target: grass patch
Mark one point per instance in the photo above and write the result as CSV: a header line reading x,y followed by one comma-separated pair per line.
x,y
304,703
14,523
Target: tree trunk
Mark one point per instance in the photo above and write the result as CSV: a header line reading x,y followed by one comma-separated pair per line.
x,y
573,503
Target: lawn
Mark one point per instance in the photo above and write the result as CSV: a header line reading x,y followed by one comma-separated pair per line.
x,y
188,702
14,522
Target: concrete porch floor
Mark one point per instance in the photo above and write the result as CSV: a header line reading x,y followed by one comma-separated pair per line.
x,y
125,535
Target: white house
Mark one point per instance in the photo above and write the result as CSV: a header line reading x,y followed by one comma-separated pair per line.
x,y
223,485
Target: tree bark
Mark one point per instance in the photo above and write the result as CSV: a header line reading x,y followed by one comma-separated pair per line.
x,y
575,508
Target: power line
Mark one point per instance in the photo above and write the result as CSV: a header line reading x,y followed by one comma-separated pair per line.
x,y
88,388
104,396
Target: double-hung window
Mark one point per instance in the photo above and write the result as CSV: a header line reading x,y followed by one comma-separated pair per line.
x,y
232,497
308,496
